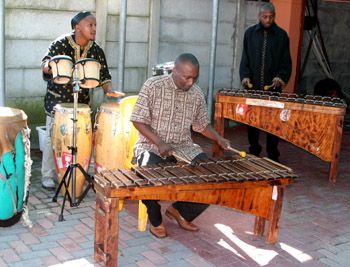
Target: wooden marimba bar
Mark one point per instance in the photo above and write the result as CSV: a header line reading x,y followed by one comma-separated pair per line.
x,y
313,123
254,185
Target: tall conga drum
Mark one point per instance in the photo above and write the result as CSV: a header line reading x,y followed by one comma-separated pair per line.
x,y
15,164
115,135
62,139
130,133
107,136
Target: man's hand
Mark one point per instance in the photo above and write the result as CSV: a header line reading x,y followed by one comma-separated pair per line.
x,y
277,82
165,150
246,83
114,94
107,88
46,67
224,143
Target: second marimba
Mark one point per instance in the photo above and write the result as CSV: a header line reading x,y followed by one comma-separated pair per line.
x,y
313,123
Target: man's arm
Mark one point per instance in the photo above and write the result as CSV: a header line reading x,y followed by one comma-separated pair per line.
x,y
210,133
146,130
244,67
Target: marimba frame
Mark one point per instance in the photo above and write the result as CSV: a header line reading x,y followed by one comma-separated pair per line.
x,y
262,198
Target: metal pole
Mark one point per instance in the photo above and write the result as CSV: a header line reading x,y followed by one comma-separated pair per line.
x,y
122,34
2,54
214,31
74,146
238,42
154,26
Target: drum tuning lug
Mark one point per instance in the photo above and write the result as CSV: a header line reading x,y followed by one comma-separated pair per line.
x,y
87,128
63,130
115,130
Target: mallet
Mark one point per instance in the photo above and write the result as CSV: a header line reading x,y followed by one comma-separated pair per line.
x,y
192,163
243,154
267,87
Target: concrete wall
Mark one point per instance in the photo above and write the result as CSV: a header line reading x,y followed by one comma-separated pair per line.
x,y
31,25
157,31
189,30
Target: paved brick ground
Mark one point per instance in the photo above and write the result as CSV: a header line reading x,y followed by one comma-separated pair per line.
x,y
314,228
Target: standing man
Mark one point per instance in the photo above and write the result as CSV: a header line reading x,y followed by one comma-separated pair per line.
x,y
166,109
78,44
266,61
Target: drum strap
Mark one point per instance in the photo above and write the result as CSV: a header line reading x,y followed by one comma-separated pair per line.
x,y
8,176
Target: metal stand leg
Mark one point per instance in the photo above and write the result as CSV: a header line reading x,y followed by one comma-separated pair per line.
x,y
69,174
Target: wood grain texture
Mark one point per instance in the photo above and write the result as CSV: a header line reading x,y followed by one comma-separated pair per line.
x,y
261,197
106,230
314,128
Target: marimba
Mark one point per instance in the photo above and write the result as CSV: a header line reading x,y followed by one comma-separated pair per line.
x,y
254,185
313,123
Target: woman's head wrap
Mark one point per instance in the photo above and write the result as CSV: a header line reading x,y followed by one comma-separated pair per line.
x,y
78,17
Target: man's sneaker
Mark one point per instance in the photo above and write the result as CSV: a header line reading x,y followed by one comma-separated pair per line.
x,y
48,183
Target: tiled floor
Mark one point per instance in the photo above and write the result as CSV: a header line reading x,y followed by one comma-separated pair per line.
x,y
314,227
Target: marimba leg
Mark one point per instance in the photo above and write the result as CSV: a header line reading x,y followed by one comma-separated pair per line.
x,y
106,230
259,226
275,214
333,167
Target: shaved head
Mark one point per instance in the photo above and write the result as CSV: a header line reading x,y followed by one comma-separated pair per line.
x,y
187,58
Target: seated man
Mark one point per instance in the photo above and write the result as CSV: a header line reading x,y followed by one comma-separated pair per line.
x,y
166,109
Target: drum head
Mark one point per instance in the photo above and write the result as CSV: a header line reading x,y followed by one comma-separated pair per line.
x,y
109,106
68,107
11,115
85,60
61,57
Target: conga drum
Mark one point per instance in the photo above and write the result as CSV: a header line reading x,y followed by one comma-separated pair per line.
x,y
107,136
88,72
115,135
130,133
15,164
62,139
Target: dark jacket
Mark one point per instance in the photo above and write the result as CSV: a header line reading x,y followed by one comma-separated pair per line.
x,y
277,61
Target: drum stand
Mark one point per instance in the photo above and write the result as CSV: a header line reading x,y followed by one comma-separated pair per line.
x,y
71,169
